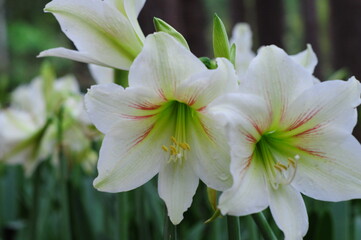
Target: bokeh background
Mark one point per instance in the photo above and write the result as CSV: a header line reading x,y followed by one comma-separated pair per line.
x,y
333,27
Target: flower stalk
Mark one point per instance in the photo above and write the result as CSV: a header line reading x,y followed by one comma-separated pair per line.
x,y
263,226
234,231
63,179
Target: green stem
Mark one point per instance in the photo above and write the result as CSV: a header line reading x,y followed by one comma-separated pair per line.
x,y
35,204
170,230
66,231
123,217
263,226
234,230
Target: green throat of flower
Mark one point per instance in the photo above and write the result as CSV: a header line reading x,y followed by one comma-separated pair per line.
x,y
274,153
180,117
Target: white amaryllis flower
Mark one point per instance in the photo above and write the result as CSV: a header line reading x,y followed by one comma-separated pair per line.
x,y
288,136
105,32
160,124
242,38
28,131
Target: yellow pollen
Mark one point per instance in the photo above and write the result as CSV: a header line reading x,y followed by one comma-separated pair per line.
x,y
165,148
282,166
185,146
174,140
177,150
293,162
173,150
278,167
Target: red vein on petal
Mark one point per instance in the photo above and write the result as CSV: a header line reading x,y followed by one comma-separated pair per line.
x,y
206,130
143,136
312,152
303,119
145,106
201,108
310,131
137,117
161,94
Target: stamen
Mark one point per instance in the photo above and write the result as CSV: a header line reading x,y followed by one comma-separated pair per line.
x,y
174,140
285,174
173,150
165,149
177,150
185,146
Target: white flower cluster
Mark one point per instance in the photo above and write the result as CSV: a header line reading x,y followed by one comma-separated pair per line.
x,y
29,126
258,127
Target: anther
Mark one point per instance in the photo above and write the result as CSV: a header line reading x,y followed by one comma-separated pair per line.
x,y
173,150
165,149
174,140
185,146
293,162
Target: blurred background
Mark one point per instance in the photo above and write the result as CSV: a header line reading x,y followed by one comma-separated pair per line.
x,y
333,27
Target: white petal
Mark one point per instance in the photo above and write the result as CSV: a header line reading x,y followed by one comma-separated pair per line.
x,y
30,99
131,154
70,54
242,38
132,8
98,30
324,107
163,65
107,104
289,212
306,58
67,84
246,111
275,76
334,177
202,88
248,194
177,185
210,153
101,74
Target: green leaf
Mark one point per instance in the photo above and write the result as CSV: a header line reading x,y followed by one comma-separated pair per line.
x,y
162,26
233,54
48,76
220,39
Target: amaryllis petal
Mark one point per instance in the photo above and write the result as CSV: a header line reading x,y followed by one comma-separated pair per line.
x,y
306,58
202,88
150,69
132,9
211,153
72,55
336,176
128,157
328,103
242,38
289,212
114,42
108,104
249,193
275,76
177,184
